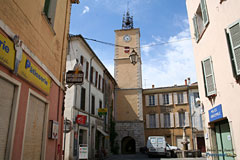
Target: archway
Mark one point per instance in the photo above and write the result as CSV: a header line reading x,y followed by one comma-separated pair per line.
x,y
128,145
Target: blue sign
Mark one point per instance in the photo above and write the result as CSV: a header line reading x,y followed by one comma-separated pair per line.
x,y
215,113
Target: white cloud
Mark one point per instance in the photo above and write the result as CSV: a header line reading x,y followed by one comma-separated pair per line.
x,y
147,48
86,9
172,65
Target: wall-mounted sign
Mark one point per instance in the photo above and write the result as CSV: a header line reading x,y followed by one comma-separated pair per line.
x,y
81,119
102,111
215,113
7,52
28,70
74,77
53,129
83,151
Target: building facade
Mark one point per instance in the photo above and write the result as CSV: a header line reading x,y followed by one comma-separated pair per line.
x,y
128,113
86,101
166,113
216,30
33,40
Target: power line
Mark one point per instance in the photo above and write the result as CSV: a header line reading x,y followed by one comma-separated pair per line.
x,y
144,46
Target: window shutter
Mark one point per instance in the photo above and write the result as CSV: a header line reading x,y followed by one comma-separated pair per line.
x,y
204,12
185,98
195,25
175,98
186,119
177,119
162,120
147,100
46,7
147,120
171,120
161,99
156,99
170,98
235,45
157,120
209,76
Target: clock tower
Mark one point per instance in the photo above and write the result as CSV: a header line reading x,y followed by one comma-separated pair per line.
x,y
129,114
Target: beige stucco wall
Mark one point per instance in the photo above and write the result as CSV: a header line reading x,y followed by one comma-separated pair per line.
x,y
25,18
213,43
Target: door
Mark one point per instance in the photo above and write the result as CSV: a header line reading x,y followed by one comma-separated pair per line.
x,y
224,141
34,129
6,105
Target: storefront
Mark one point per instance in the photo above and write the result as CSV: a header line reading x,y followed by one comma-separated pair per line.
x,y
221,135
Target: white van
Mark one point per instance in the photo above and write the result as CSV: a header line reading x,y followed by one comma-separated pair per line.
x,y
156,145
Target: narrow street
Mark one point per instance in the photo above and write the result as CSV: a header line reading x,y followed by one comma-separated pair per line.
x,y
145,157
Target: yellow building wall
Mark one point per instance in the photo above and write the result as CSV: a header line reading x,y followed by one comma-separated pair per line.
x,y
25,18
127,105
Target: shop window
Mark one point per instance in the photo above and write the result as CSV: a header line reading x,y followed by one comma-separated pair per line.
x,y
200,20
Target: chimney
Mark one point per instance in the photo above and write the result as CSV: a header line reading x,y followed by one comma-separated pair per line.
x,y
189,81
185,82
153,86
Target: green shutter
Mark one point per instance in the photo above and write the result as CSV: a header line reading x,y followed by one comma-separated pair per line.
x,y
196,33
209,76
204,12
234,34
46,7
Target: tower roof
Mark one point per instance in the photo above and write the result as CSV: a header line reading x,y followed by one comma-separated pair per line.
x,y
127,22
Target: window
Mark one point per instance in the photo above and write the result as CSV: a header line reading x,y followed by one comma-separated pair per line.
x,y
103,85
100,104
93,104
196,95
166,120
165,99
86,72
91,75
152,121
83,97
151,100
200,20
180,98
81,60
208,75
50,10
99,82
96,79
233,37
181,119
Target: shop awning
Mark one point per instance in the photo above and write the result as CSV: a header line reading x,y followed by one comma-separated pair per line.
x,y
104,133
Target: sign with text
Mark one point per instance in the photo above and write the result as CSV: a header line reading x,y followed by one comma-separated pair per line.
x,y
53,129
29,71
7,52
74,77
83,151
215,113
102,111
81,119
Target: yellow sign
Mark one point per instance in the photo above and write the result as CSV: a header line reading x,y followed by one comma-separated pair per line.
x,y
7,52
30,72
102,110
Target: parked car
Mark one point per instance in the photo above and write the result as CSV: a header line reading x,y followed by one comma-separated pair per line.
x,y
172,150
156,145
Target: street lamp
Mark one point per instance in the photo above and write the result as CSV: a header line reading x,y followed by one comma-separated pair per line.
x,y
133,57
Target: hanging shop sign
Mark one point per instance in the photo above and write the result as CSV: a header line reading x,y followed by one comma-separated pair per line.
x,y
28,70
53,129
215,113
102,111
74,77
67,126
7,52
81,119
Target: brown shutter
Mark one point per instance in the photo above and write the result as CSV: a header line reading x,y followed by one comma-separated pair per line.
x,y
96,79
86,72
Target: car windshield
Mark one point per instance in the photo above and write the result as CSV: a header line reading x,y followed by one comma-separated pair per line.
x,y
160,140
153,140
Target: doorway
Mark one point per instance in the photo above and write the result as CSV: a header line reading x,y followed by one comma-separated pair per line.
x,y
128,145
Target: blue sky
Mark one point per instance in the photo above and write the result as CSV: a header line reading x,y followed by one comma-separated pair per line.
x,y
159,21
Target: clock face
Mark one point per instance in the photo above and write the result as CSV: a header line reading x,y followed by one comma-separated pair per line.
x,y
126,38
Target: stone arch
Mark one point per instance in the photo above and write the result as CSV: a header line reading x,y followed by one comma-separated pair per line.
x,y
128,145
